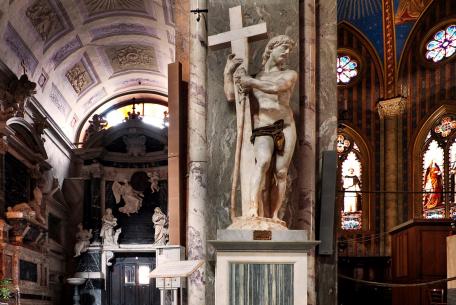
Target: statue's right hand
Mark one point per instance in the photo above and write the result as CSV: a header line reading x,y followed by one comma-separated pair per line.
x,y
232,63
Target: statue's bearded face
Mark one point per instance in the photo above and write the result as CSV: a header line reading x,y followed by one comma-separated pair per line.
x,y
280,53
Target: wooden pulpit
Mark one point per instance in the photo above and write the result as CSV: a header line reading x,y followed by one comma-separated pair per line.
x,y
418,252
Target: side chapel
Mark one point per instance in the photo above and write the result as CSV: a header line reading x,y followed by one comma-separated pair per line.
x,y
275,152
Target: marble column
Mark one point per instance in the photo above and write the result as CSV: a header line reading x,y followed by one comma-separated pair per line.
x,y
197,155
390,110
307,136
326,97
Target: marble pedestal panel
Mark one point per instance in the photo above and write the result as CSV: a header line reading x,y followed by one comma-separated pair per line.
x,y
264,272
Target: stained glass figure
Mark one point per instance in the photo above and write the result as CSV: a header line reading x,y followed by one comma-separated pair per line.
x,y
443,44
342,143
433,180
351,214
347,69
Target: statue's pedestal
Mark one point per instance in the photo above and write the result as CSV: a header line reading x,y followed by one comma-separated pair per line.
x,y
261,267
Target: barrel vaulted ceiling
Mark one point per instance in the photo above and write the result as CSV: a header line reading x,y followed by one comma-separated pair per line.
x,y
82,53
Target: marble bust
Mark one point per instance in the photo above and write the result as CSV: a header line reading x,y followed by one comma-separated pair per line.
x,y
273,131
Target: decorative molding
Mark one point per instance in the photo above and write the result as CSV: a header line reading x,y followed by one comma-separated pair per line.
x,y
392,107
171,37
98,96
140,81
390,48
59,101
168,10
42,80
123,29
69,48
22,51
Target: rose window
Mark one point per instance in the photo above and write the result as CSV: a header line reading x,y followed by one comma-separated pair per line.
x,y
443,44
346,69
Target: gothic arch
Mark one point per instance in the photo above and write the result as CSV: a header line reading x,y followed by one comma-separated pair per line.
x,y
366,158
417,151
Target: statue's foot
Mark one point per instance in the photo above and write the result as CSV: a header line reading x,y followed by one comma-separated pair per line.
x,y
253,212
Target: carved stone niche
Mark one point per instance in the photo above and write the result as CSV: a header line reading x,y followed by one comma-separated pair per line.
x,y
25,230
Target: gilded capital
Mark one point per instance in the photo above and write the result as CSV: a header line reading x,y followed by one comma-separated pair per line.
x,y
392,107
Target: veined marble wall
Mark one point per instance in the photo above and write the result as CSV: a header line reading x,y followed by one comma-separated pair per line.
x,y
270,284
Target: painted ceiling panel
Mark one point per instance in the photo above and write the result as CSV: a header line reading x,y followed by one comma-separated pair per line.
x,y
407,13
366,16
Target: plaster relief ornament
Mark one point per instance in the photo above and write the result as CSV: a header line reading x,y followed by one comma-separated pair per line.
x,y
43,18
135,56
132,198
154,177
78,78
136,145
83,237
108,234
273,134
160,221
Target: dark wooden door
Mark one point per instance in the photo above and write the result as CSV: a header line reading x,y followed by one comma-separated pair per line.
x,y
129,283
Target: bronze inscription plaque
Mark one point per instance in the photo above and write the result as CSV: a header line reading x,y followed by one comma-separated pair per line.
x,y
262,235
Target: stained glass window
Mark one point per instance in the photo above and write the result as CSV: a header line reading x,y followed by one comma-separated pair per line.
x,y
351,212
439,170
347,69
442,45
153,114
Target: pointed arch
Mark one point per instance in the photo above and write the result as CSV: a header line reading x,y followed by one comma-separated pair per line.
x,y
344,25
360,149
426,135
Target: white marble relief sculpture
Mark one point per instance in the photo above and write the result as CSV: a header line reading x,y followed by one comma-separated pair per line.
x,y
108,234
83,237
154,177
273,134
31,210
160,221
132,198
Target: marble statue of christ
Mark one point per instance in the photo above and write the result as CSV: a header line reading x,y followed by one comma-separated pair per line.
x,y
274,132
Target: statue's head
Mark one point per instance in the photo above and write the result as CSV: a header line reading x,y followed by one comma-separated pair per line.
x,y
157,210
80,226
108,211
275,42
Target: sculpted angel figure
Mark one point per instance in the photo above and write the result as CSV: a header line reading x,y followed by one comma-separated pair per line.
x,y
133,199
110,237
160,221
273,131
154,177
83,237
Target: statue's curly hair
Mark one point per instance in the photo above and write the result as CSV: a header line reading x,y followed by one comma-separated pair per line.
x,y
275,42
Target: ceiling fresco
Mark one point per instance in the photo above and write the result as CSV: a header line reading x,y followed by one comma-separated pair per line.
x,y
82,53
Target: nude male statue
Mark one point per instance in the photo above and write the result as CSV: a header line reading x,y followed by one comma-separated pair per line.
x,y
274,131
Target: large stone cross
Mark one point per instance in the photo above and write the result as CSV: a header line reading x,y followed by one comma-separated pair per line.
x,y
238,35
